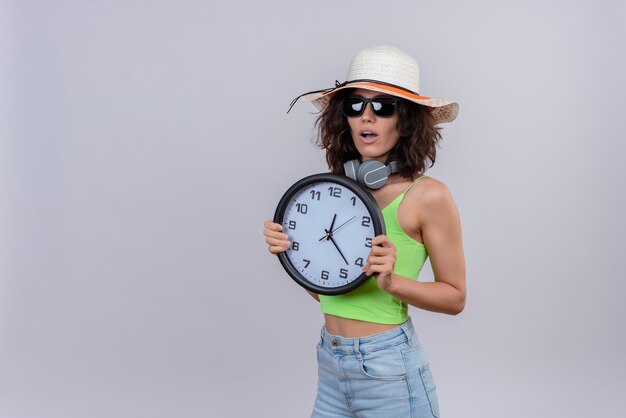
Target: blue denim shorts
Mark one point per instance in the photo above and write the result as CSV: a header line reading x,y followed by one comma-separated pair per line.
x,y
381,375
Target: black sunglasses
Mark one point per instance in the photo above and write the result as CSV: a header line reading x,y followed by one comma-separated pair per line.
x,y
382,106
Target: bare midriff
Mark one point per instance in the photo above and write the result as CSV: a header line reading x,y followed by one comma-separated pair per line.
x,y
353,328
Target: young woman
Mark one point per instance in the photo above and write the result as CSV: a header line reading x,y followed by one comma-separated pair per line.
x,y
370,360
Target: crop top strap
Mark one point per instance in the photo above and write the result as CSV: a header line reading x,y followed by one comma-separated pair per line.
x,y
415,181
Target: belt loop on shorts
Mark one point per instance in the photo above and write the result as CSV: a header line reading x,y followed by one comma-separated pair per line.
x,y
356,348
410,335
322,332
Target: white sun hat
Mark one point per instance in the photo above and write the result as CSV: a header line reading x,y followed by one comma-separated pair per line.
x,y
389,70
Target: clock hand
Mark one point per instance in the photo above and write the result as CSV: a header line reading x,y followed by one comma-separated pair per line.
x,y
332,223
344,258
328,231
336,229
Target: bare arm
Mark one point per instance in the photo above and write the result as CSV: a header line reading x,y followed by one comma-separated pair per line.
x,y
441,232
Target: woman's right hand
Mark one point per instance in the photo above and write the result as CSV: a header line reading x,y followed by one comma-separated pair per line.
x,y
277,241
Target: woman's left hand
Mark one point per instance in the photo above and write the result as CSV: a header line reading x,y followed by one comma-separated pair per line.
x,y
381,261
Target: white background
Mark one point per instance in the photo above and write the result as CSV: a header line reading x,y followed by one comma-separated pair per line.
x,y
143,144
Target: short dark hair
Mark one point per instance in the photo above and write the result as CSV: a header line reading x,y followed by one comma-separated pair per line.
x,y
416,148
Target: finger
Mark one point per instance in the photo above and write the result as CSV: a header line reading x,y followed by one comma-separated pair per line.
x,y
381,251
274,249
367,270
380,269
377,261
382,240
377,268
273,226
274,234
277,242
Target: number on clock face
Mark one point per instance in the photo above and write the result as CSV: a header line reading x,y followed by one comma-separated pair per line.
x,y
325,257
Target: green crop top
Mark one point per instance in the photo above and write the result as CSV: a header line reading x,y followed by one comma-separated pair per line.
x,y
368,302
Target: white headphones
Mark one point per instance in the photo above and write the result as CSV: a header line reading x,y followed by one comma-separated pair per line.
x,y
371,173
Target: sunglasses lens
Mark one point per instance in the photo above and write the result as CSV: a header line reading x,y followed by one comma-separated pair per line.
x,y
353,106
384,107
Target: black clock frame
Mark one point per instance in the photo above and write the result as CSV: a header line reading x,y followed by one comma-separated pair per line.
x,y
370,204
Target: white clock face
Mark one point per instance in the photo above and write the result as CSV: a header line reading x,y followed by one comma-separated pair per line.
x,y
331,232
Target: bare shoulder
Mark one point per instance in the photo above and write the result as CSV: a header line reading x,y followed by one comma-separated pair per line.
x,y
429,191
431,198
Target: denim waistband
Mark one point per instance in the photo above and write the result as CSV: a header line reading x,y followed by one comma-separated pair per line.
x,y
403,333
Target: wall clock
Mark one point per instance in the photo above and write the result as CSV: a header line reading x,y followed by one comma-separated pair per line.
x,y
330,221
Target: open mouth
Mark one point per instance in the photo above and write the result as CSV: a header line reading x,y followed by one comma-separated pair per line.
x,y
368,136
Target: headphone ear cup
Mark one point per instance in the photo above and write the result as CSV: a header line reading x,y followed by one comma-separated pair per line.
x,y
373,174
351,169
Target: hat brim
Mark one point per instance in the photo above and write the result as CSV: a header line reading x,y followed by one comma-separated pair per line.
x,y
442,110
